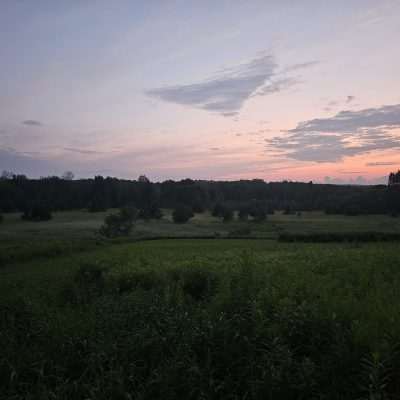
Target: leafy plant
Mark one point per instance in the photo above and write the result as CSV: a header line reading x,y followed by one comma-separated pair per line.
x,y
120,224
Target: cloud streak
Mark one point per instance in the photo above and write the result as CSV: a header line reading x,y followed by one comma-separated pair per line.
x,y
346,134
226,93
32,122
381,163
83,151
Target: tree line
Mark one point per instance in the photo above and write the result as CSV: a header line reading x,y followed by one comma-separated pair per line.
x,y
249,197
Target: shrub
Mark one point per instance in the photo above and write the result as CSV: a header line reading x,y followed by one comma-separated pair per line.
x,y
97,205
223,211
288,210
88,283
182,214
227,215
151,211
243,213
218,210
120,224
340,237
245,231
145,280
258,211
198,207
199,284
37,212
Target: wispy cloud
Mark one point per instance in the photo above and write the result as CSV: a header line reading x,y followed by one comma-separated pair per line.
x,y
348,133
297,67
278,85
82,151
381,163
227,92
32,122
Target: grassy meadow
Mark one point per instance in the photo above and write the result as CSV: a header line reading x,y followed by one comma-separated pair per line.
x,y
198,318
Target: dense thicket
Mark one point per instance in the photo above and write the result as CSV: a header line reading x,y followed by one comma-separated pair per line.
x,y
250,331
18,193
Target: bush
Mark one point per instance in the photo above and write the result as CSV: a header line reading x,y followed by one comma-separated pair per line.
x,y
218,210
227,215
37,212
258,211
198,207
197,283
223,211
182,214
151,211
120,224
287,211
245,231
243,213
97,205
145,280
340,237
88,283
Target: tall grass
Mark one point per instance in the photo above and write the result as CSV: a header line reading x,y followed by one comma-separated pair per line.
x,y
193,331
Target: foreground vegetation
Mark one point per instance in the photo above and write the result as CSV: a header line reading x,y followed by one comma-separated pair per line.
x,y
83,317
208,319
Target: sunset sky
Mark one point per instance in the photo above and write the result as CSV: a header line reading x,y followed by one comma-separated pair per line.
x,y
296,90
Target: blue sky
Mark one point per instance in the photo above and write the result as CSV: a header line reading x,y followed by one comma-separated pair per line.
x,y
210,90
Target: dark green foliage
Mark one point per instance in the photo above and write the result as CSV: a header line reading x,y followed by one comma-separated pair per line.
x,y
393,195
145,280
223,211
199,283
245,231
243,213
198,207
227,215
120,224
288,210
218,210
37,212
192,332
1,218
182,214
88,283
340,237
98,201
151,211
258,210
100,193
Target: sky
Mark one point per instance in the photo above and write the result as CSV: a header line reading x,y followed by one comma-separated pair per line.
x,y
223,90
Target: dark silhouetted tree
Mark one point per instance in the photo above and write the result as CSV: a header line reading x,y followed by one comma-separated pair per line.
x,y
98,201
182,214
7,175
227,215
243,213
38,211
258,211
218,210
68,176
120,224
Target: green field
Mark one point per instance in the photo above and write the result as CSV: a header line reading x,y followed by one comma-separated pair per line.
x,y
83,225
251,318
